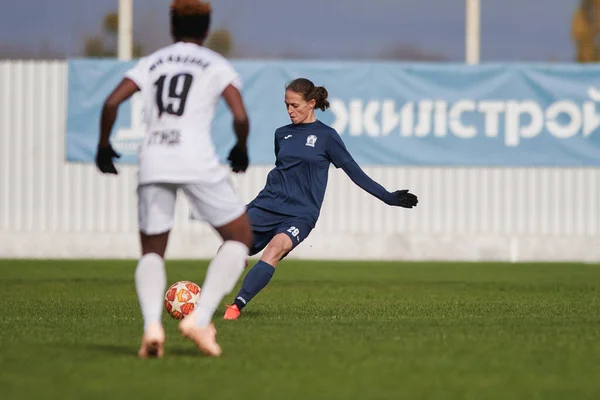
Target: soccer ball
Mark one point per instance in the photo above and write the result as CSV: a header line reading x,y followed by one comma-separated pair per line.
x,y
181,298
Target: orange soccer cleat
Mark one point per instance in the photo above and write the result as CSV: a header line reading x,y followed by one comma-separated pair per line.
x,y
232,312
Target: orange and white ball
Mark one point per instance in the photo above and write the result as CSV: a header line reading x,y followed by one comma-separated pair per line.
x,y
181,298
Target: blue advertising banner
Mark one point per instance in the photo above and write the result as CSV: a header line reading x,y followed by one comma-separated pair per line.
x,y
387,113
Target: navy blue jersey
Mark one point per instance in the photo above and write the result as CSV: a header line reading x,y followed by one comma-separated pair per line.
x,y
296,186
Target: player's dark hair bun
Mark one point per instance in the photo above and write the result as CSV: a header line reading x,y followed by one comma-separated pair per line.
x,y
320,96
309,91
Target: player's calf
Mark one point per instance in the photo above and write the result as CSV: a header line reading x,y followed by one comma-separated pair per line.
x,y
221,276
260,275
238,230
150,282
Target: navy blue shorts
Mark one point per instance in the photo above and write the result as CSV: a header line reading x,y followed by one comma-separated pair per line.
x,y
266,224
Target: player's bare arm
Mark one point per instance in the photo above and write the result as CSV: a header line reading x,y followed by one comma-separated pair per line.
x,y
120,94
241,126
105,153
241,123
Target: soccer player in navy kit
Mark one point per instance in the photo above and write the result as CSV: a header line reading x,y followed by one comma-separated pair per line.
x,y
286,210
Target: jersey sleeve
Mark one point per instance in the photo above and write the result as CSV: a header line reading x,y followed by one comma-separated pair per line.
x,y
138,73
224,76
367,184
336,150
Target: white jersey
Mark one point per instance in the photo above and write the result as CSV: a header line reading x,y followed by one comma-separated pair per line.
x,y
181,85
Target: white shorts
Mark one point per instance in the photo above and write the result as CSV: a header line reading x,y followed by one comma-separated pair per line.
x,y
216,203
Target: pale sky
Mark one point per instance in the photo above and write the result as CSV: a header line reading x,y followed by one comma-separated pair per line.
x,y
512,30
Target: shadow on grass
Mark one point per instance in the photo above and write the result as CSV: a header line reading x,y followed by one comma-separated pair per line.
x,y
132,350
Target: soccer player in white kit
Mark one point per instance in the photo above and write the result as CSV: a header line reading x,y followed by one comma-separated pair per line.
x,y
181,85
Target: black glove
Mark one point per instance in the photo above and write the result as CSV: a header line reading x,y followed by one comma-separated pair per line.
x,y
402,198
238,158
104,159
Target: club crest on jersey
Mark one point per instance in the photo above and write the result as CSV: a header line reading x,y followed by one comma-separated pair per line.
x,y
311,140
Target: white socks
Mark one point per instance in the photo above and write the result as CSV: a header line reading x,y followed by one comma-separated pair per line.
x,y
221,277
150,283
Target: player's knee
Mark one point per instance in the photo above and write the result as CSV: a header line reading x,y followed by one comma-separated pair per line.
x,y
272,256
277,249
153,250
285,243
244,235
238,230
154,244
247,238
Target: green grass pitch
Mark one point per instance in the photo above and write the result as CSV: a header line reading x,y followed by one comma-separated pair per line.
x,y
321,330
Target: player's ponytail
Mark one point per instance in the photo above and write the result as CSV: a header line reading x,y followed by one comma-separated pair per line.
x,y
309,92
320,95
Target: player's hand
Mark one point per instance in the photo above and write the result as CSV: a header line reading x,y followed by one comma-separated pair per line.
x,y
104,159
238,158
402,198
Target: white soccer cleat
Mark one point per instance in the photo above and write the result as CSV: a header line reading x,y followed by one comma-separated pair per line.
x,y
204,338
153,342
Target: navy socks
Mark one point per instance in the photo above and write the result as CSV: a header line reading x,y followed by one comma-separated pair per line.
x,y
256,279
